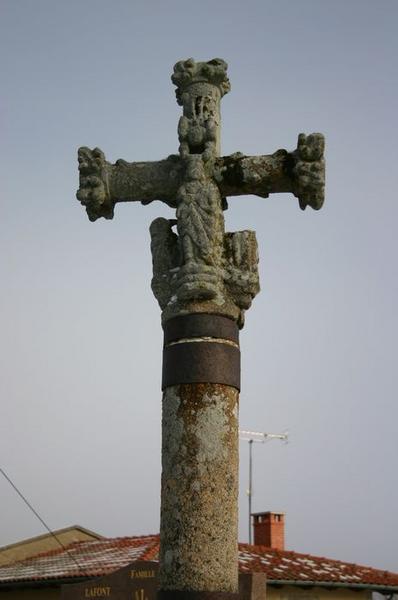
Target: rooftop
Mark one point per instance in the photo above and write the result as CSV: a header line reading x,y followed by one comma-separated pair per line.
x,y
89,559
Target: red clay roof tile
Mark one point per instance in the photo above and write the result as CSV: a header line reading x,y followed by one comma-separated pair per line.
x,y
95,558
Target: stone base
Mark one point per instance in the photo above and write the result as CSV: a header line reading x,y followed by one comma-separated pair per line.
x,y
252,586
190,595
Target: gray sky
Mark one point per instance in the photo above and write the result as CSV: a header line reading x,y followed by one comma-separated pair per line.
x,y
80,330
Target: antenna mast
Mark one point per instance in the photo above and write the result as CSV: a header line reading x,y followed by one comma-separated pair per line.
x,y
259,437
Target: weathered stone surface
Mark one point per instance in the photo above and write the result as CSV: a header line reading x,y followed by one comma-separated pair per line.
x,y
200,87
103,184
309,170
189,72
199,262
226,288
199,488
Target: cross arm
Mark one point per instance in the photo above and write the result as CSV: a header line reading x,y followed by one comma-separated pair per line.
x,y
301,172
102,184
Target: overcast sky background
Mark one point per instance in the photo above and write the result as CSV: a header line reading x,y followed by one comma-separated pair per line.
x,y
80,329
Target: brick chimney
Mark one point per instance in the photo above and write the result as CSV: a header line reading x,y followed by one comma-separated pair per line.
x,y
269,529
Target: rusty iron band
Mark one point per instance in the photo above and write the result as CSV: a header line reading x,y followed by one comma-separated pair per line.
x,y
200,325
201,362
189,595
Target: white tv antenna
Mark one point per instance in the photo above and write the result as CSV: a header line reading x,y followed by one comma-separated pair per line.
x,y
259,437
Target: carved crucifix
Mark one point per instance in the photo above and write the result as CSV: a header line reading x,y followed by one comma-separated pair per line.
x,y
204,279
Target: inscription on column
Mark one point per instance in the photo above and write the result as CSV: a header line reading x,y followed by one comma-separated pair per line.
x,y
97,592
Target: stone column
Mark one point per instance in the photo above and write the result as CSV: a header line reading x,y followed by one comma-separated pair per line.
x,y
199,488
200,455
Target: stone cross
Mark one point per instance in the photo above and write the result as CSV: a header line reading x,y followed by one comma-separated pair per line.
x,y
204,279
